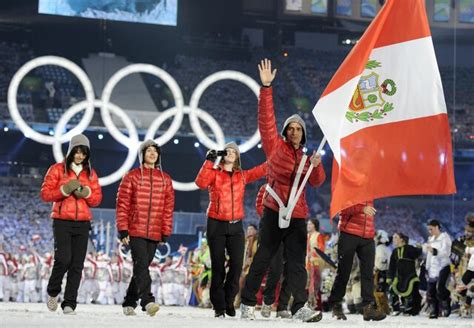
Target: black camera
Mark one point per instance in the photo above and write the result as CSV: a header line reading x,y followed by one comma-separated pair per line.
x,y
222,153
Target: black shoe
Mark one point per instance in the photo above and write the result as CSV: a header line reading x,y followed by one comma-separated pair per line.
x,y
446,308
338,312
230,312
433,315
352,308
220,313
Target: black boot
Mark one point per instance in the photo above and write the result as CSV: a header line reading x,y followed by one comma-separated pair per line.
x,y
219,313
446,308
434,311
352,308
230,311
338,312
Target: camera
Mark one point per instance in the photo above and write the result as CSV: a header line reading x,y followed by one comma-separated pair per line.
x,y
221,153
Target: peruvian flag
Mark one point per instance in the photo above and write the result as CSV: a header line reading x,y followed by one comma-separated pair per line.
x,y
384,114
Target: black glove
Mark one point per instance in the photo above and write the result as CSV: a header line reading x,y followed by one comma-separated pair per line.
x,y
164,238
211,155
72,185
123,234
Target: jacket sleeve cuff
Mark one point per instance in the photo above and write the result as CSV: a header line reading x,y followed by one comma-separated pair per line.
x,y
63,192
123,234
89,191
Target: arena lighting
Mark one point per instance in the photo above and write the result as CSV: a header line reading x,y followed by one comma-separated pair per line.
x,y
285,54
132,142
51,132
176,141
259,145
196,144
5,129
323,152
100,136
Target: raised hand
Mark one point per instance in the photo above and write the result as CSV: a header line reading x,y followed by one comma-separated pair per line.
x,y
369,210
266,73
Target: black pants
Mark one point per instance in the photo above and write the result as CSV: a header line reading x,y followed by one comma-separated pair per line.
x,y
223,236
349,245
70,248
274,275
143,251
437,290
294,251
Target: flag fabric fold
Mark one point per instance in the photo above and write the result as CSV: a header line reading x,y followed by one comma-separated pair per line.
x,y
384,114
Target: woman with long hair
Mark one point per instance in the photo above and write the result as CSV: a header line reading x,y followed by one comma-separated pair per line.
x,y
73,187
226,185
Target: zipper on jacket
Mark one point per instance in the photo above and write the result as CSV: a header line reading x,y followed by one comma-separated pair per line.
x,y
149,206
232,194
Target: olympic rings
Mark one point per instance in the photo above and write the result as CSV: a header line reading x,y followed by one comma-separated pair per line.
x,y
106,108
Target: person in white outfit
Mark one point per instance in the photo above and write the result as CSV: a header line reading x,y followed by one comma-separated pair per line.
x,y
105,278
438,250
3,272
45,273
155,275
116,267
382,260
29,276
89,290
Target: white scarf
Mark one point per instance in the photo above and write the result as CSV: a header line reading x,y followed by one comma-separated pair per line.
x,y
77,168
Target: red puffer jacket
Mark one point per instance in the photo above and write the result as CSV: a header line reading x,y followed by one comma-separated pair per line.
x,y
145,204
259,200
355,222
226,193
283,160
69,207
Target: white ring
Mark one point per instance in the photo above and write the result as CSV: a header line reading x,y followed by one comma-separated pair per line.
x,y
197,93
13,91
131,142
132,150
211,122
142,68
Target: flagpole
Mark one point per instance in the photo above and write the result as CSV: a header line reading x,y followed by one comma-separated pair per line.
x,y
321,145
305,179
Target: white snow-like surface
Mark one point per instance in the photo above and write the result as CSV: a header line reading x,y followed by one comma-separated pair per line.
x,y
19,315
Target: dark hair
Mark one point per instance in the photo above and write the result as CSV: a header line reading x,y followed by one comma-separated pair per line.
x,y
158,150
253,225
315,222
85,163
403,237
434,223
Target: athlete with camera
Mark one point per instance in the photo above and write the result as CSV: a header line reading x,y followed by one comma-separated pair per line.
x,y
226,182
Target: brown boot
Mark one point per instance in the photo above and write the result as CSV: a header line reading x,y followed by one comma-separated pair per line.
x,y
371,312
382,302
338,312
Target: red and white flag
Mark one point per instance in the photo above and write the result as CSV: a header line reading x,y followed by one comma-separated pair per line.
x,y
384,114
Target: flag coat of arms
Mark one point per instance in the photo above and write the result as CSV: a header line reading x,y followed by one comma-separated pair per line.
x,y
384,114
